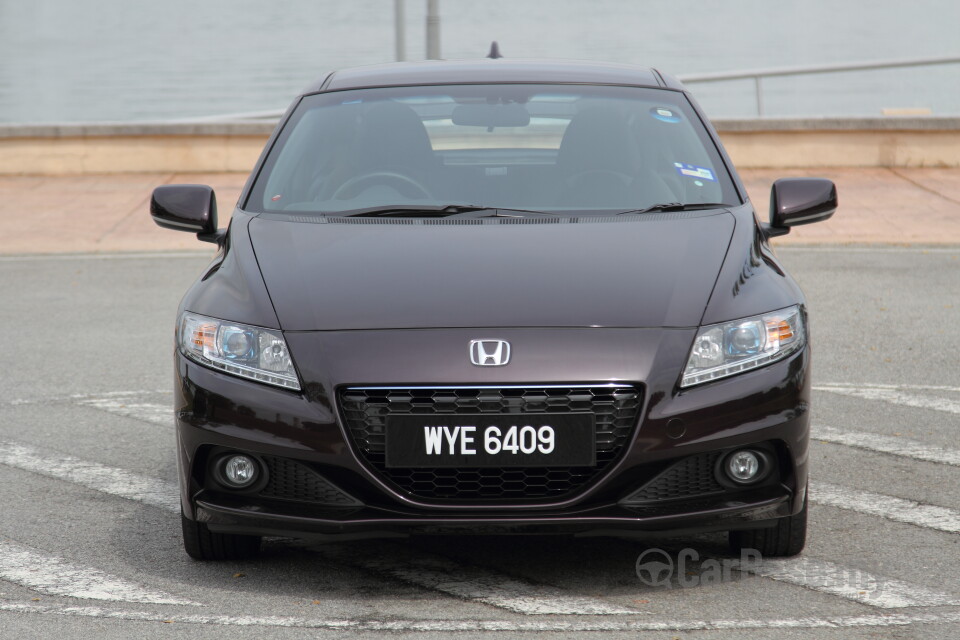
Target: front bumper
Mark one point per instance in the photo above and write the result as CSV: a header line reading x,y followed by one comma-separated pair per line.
x,y
766,407
228,514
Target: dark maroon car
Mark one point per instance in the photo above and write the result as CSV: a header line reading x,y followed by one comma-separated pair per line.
x,y
493,297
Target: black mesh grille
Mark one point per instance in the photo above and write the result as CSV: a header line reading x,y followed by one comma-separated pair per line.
x,y
616,409
291,480
689,477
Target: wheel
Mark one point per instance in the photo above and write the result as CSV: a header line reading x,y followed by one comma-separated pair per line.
x,y
203,544
786,538
406,185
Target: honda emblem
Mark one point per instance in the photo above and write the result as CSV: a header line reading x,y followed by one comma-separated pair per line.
x,y
489,353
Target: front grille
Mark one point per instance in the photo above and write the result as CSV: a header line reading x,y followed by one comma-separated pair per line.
x,y
292,480
692,476
616,409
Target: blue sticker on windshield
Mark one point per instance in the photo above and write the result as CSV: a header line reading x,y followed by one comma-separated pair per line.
x,y
665,115
693,171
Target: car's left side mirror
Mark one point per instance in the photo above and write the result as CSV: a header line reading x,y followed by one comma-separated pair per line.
x,y
796,201
186,207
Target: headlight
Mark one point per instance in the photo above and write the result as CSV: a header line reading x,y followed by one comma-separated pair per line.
x,y
245,351
721,350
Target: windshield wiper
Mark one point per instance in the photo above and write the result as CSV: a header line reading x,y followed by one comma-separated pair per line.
x,y
447,210
434,211
676,206
411,210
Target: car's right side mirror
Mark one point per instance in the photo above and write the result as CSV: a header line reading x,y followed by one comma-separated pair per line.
x,y
796,201
186,207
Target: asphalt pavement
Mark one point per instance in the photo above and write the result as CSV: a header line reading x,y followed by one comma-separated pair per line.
x,y
89,533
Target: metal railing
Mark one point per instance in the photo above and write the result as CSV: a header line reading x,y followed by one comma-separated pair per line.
x,y
757,75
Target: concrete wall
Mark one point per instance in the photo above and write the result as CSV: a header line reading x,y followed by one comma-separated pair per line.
x,y
218,147
842,142
130,148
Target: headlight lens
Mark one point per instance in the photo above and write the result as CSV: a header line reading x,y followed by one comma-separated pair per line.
x,y
245,351
722,350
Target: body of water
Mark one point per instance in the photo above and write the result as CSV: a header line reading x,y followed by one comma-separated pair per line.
x,y
139,60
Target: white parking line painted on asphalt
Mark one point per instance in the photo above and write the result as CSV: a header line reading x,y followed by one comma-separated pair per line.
x,y
161,414
133,255
852,584
888,507
116,394
536,626
491,588
476,584
85,396
895,396
888,444
55,576
112,480
434,573
826,386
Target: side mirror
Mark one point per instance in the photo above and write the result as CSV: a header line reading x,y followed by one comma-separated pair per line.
x,y
186,207
796,201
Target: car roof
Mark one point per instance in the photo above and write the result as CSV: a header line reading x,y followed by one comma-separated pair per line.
x,y
493,71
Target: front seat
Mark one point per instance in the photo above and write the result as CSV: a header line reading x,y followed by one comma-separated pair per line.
x,y
595,162
392,150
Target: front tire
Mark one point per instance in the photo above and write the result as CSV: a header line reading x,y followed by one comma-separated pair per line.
x,y
786,538
202,544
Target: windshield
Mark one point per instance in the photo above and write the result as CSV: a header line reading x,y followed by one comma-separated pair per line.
x,y
555,148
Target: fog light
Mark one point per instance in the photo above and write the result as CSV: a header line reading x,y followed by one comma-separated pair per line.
x,y
239,471
743,466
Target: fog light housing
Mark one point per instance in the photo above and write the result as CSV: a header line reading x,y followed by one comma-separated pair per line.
x,y
745,466
239,471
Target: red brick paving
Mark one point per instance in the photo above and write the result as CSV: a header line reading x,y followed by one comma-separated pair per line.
x,y
109,213
877,205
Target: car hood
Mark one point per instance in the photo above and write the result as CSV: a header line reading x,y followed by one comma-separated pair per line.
x,y
651,270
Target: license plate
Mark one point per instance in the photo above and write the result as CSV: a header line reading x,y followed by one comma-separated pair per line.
x,y
490,440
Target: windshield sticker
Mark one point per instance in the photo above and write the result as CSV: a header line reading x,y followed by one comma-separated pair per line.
x,y
665,115
693,171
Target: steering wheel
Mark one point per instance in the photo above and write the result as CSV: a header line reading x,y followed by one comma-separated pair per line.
x,y
406,185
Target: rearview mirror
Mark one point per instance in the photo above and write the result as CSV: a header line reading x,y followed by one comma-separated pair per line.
x,y
490,115
185,207
796,201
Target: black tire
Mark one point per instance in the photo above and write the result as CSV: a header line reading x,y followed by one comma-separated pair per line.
x,y
203,544
786,538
